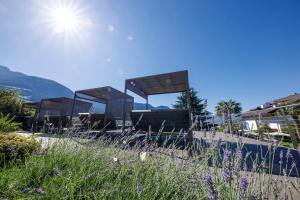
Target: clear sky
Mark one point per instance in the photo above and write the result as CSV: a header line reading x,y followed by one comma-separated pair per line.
x,y
246,50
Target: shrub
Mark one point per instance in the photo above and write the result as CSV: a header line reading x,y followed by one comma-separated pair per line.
x,y
10,101
7,124
264,129
13,147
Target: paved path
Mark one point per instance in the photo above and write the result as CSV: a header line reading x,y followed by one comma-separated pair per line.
x,y
227,137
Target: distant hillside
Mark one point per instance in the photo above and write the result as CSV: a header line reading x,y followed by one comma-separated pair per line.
x,y
142,106
35,88
32,88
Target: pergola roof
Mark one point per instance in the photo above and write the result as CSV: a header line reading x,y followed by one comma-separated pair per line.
x,y
58,100
59,106
111,97
159,84
34,105
101,93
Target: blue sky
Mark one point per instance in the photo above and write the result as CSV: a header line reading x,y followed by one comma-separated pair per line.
x,y
248,51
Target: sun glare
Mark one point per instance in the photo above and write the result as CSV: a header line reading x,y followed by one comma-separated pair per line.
x,y
65,18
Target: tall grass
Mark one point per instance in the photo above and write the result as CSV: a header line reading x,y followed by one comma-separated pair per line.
x,y
85,169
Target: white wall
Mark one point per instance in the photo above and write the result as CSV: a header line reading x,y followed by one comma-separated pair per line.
x,y
250,125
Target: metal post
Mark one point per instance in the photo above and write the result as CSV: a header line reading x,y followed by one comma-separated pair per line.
x,y
147,103
105,115
73,106
37,114
124,105
189,105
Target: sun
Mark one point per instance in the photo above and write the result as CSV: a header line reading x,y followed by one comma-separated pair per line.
x,y
65,19
68,19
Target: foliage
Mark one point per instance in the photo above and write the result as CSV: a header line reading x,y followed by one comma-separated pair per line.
x,y
10,102
294,111
197,104
15,147
264,129
7,124
101,171
228,107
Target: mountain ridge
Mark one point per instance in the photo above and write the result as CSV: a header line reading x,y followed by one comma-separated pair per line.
x,y
34,88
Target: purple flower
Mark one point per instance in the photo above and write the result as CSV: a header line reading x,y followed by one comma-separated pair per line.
x,y
239,161
218,144
139,188
281,154
243,186
212,194
299,150
275,143
55,172
227,166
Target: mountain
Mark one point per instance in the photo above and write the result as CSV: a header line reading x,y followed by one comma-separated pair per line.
x,y
142,106
32,88
35,88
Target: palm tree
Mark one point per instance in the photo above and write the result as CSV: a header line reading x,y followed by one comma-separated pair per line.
x,y
226,109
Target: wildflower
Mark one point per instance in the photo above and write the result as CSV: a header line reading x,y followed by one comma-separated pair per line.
x,y
281,154
116,162
143,156
288,153
55,172
299,150
218,144
139,188
275,143
239,162
212,194
243,186
227,168
34,190
113,193
38,191
89,176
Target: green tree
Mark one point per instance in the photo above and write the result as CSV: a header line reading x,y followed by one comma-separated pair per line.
x,y
226,109
10,102
198,106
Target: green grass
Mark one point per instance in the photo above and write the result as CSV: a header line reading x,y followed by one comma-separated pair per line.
x,y
288,144
90,172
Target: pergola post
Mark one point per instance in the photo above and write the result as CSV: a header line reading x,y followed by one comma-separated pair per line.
x,y
147,103
106,111
189,106
73,106
36,116
124,103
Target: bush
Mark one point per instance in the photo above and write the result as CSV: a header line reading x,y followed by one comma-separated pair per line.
x,y
10,101
7,124
264,129
13,147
